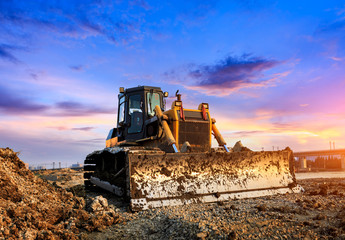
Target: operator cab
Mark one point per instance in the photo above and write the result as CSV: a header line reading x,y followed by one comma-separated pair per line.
x,y
136,117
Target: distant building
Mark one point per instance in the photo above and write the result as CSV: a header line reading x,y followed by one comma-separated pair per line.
x,y
41,167
77,165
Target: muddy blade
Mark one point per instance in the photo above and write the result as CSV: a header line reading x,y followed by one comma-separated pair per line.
x,y
184,178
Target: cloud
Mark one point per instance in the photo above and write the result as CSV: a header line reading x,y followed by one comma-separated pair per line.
x,y
336,59
338,25
193,13
245,133
83,129
60,128
75,19
278,126
6,53
14,104
64,128
304,105
77,67
10,103
88,141
71,108
229,75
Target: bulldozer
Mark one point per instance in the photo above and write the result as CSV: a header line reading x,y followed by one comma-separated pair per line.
x,y
158,157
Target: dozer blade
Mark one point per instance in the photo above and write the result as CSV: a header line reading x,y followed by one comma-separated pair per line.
x,y
157,180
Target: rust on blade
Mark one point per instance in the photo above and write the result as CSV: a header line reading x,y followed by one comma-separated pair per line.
x,y
158,179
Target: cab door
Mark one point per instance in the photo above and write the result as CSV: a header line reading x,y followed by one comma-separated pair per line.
x,y
136,116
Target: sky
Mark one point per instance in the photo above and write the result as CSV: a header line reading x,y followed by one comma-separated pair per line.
x,y
273,72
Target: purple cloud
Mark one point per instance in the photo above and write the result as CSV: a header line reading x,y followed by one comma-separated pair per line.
x,y
64,128
82,129
229,75
232,71
77,67
245,133
70,108
76,18
11,104
6,53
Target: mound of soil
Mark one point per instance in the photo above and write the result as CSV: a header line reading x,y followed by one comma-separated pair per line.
x,y
31,208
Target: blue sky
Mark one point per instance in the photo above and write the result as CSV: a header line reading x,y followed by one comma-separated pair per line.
x,y
272,71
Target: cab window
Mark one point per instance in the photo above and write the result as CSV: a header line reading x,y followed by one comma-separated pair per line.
x,y
121,118
135,113
152,99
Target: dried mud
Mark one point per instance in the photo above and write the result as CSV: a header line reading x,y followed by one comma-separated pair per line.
x,y
180,177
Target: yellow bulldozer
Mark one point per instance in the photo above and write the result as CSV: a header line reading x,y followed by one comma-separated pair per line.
x,y
159,157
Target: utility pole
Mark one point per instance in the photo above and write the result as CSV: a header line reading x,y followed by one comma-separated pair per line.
x,y
329,157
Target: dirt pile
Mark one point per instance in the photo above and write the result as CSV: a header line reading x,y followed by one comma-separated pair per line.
x,y
31,208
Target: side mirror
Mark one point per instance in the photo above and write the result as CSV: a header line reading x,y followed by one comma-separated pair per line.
x,y
165,94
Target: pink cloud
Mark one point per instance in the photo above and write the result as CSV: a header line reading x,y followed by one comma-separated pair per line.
x,y
304,105
336,59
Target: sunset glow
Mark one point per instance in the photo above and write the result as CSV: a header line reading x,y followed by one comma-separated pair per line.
x,y
273,72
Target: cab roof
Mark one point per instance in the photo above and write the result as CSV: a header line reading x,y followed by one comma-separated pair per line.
x,y
142,88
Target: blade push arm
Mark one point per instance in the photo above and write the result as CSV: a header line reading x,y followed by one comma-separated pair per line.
x,y
169,136
218,136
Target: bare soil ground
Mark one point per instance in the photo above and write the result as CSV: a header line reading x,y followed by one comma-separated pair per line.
x,y
64,178
319,213
52,205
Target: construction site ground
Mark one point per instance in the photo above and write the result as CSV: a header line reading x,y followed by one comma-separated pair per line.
x,y
53,204
319,213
